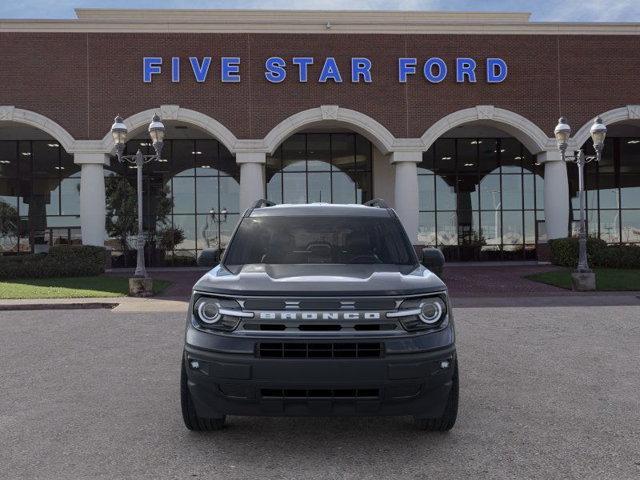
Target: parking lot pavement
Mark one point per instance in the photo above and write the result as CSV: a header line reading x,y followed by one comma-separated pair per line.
x,y
545,393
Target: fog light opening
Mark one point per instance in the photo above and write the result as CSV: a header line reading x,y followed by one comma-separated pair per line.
x,y
194,364
444,364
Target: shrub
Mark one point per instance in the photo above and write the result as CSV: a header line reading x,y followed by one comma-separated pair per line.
x,y
619,256
61,261
564,252
169,238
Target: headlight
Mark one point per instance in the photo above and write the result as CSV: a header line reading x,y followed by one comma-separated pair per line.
x,y
421,313
208,310
431,310
217,313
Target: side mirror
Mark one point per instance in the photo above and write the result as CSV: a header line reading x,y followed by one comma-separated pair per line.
x,y
209,257
433,259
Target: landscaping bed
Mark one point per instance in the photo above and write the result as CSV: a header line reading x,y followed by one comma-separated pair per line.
x,y
100,286
607,279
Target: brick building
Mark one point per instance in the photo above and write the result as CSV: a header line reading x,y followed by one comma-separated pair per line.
x,y
447,116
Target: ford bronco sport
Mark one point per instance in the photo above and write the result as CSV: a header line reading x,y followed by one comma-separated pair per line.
x,y
319,310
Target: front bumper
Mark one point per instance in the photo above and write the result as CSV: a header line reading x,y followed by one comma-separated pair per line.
x,y
407,380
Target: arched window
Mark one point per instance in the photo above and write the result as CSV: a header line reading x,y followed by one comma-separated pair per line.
x,y
320,167
191,200
39,194
480,198
612,189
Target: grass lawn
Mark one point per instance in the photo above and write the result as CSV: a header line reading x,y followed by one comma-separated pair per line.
x,y
73,287
607,279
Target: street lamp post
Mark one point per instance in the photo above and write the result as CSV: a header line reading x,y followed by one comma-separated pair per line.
x,y
583,278
156,132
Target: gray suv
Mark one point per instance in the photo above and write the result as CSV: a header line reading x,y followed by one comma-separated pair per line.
x,y
319,310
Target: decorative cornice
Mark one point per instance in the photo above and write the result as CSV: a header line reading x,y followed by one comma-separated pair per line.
x,y
301,21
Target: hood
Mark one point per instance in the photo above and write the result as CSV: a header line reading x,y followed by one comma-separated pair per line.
x,y
320,280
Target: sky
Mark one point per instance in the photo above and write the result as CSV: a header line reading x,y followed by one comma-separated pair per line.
x,y
542,10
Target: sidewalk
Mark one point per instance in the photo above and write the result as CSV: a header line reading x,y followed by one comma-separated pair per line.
x,y
117,304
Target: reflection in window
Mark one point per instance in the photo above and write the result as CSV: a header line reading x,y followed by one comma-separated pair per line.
x,y
39,196
191,200
320,167
480,198
612,192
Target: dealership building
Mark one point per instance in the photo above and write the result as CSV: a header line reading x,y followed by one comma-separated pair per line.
x,y
449,117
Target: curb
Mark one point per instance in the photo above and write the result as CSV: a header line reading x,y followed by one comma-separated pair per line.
x,y
59,306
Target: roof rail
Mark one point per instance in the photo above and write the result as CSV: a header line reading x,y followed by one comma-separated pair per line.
x,y
263,202
376,202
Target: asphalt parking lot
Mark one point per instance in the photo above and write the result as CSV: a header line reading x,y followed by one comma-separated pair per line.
x,y
546,392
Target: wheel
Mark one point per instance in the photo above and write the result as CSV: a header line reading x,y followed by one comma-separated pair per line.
x,y
448,418
191,419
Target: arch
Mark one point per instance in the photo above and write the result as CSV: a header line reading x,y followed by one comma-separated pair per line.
x,y
10,113
382,138
528,133
177,113
617,115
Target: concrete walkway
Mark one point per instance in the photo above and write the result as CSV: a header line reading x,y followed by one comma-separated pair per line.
x,y
117,304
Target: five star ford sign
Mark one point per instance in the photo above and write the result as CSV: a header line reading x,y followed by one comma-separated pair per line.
x,y
361,69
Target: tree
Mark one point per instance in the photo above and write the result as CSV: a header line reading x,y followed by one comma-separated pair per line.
x,y
9,222
122,210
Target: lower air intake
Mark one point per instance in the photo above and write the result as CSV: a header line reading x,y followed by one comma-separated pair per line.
x,y
319,350
328,393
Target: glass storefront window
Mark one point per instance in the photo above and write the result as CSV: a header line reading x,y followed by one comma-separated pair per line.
x,y
612,192
193,190
512,191
445,194
320,167
342,185
427,190
630,191
39,195
630,222
480,198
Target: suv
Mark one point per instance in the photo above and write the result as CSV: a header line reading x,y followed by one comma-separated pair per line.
x,y
319,309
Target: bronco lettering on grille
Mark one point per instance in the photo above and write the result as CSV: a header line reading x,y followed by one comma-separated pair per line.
x,y
319,316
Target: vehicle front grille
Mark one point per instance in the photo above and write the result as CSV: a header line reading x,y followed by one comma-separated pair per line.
x,y
319,350
324,393
312,326
320,304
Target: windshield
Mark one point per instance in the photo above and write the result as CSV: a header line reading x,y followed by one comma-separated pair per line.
x,y
319,239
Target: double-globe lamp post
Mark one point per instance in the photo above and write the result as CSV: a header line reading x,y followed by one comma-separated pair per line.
x,y
583,278
156,132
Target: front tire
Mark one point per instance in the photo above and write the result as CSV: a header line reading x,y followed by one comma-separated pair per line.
x,y
191,419
448,418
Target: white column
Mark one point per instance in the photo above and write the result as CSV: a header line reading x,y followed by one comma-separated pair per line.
x,y
406,190
384,175
556,194
92,197
251,177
